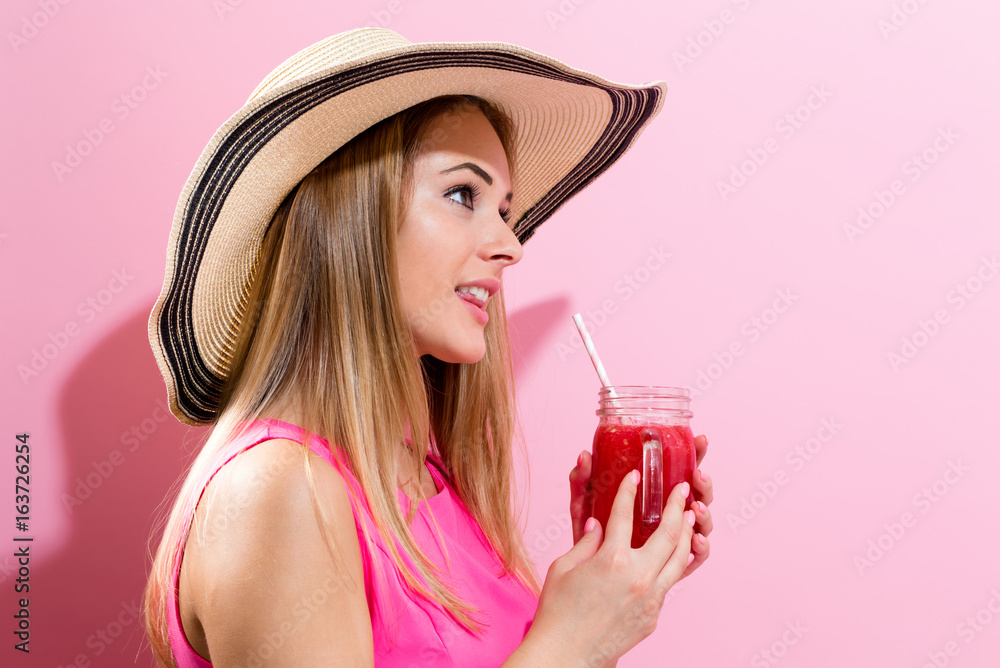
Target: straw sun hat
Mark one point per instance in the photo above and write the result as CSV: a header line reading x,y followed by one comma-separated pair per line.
x,y
570,126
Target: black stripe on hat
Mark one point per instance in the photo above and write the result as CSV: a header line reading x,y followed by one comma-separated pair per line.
x,y
198,387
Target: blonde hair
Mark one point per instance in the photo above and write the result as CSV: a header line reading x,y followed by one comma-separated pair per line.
x,y
310,335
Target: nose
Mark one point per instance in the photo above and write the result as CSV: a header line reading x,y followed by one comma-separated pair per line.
x,y
503,245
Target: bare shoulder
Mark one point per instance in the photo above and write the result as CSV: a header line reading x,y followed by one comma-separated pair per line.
x,y
265,489
261,565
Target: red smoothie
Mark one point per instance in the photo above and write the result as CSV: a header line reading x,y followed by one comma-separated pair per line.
x,y
618,449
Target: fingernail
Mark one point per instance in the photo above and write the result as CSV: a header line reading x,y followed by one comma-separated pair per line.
x,y
634,477
685,489
690,559
702,540
704,478
702,508
689,516
579,461
589,526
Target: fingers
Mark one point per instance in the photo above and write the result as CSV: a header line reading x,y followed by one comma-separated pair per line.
x,y
703,518
673,523
682,557
580,504
619,529
582,550
700,549
700,447
703,494
701,484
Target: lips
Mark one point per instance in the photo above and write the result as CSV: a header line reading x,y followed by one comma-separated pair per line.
x,y
472,299
475,307
484,287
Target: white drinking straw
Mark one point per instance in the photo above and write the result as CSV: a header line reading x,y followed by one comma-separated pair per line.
x,y
594,357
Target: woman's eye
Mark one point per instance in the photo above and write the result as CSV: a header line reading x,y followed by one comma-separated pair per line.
x,y
466,195
464,198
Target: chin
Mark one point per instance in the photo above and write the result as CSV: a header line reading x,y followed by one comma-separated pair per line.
x,y
459,357
454,342
470,353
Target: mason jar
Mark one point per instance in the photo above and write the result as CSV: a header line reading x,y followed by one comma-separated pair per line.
x,y
647,428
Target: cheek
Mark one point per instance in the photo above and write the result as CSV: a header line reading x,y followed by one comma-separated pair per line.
x,y
433,250
416,285
421,278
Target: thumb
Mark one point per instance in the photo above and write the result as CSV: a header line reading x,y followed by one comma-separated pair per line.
x,y
588,544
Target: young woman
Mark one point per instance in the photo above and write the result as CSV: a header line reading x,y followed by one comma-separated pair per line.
x,y
333,307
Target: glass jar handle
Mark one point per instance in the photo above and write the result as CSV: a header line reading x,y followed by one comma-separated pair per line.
x,y
652,480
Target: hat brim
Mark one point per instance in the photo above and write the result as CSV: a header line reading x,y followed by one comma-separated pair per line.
x,y
570,126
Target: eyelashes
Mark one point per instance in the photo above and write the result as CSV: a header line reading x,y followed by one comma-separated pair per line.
x,y
473,191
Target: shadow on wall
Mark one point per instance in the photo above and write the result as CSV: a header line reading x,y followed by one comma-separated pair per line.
x,y
126,454
530,327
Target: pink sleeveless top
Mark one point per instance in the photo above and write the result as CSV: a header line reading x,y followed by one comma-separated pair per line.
x,y
425,634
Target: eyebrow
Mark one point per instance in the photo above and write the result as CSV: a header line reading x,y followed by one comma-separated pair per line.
x,y
478,170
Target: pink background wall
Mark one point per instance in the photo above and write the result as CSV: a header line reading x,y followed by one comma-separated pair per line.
x,y
871,396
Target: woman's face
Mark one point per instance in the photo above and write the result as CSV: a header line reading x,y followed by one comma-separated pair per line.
x,y
454,234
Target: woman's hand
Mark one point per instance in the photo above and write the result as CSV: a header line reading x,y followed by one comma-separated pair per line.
x,y
581,496
602,597
702,486
581,502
